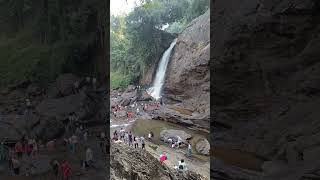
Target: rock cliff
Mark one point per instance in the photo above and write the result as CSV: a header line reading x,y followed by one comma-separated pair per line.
x,y
188,77
166,39
266,82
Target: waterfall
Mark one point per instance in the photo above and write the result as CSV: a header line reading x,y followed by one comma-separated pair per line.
x,y
155,90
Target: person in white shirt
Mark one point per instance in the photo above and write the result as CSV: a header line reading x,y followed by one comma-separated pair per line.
x,y
94,83
179,141
89,157
181,166
189,151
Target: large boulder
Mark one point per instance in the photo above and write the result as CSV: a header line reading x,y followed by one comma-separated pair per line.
x,y
173,134
8,127
129,96
203,146
65,83
13,127
274,167
49,128
81,104
144,96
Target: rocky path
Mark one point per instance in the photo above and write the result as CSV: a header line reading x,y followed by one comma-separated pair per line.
x,y
174,155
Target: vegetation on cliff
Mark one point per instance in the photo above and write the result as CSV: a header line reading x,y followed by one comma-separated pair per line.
x,y
136,38
42,38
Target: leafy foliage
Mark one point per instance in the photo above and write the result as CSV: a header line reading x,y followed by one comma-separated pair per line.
x,y
136,38
61,36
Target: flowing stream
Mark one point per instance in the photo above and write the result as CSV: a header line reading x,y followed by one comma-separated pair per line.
x,y
155,90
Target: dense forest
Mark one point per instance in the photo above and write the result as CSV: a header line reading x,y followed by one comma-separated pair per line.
x,y
135,37
40,39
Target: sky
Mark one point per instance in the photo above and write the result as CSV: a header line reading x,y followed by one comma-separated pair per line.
x,y
118,7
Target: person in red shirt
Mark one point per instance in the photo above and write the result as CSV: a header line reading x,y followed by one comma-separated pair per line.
x,y
28,149
18,149
66,170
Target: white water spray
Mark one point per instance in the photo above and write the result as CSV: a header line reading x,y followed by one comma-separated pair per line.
x,y
155,90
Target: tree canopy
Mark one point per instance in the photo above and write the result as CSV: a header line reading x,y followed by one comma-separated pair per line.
x,y
42,38
135,38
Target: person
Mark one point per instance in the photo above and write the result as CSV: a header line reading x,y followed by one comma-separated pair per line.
x,y
130,138
179,142
69,125
70,146
173,145
2,152
142,142
115,133
50,145
16,166
55,165
28,103
10,164
150,135
102,135
169,140
135,142
181,166
126,137
74,142
189,151
76,87
102,138
85,136
163,157
88,79
18,149
66,170
35,147
94,82
121,133
29,147
78,131
89,157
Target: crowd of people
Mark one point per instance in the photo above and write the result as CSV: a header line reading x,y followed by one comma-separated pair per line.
x,y
18,155
128,138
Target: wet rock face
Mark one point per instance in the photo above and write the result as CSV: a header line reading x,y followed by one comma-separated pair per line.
x,y
129,163
266,64
60,108
188,76
166,39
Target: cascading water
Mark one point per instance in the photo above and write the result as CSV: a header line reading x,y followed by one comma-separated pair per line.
x,y
155,90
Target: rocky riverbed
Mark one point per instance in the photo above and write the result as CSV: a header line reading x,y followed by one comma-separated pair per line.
x,y
147,119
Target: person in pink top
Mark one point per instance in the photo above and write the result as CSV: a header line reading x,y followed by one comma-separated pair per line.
x,y
66,170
